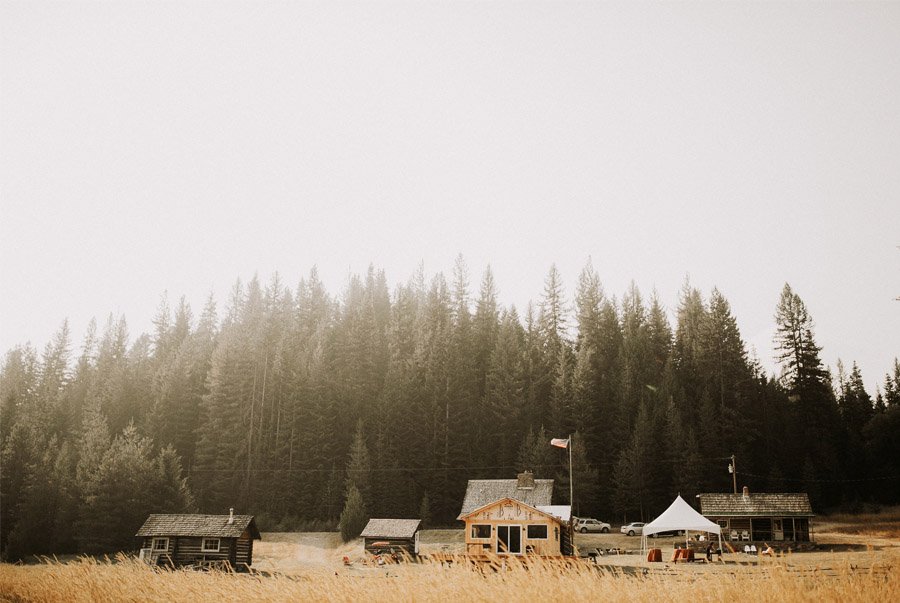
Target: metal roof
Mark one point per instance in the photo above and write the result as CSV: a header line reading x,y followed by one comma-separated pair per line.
x,y
563,512
481,492
391,528
760,504
212,526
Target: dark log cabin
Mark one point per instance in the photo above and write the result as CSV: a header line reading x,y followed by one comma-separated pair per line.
x,y
199,540
760,516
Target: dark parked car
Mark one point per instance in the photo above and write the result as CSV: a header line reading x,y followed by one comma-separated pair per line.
x,y
669,533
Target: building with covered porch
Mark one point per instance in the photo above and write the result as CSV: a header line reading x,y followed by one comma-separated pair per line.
x,y
199,540
760,517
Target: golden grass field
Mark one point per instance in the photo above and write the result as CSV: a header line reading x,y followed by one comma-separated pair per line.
x,y
855,560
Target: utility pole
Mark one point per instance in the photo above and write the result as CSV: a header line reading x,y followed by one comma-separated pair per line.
x,y
571,489
732,469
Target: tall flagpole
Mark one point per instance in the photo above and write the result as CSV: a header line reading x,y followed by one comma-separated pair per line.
x,y
571,489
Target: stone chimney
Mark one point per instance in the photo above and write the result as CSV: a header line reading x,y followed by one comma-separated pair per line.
x,y
525,481
746,493
231,516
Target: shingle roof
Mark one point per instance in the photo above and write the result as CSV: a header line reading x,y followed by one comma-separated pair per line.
x,y
391,528
215,526
481,492
755,504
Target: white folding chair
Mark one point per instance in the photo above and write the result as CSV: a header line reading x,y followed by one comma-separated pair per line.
x,y
747,548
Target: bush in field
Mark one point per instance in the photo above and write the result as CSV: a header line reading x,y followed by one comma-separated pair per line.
x,y
354,516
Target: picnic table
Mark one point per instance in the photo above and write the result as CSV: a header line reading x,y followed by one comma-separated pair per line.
x,y
683,555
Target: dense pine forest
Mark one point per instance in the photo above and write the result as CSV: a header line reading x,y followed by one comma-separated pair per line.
x,y
297,405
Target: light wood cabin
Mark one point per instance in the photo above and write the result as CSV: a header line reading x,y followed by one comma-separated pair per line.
x,y
512,527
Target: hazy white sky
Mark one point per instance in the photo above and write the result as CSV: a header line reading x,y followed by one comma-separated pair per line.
x,y
178,146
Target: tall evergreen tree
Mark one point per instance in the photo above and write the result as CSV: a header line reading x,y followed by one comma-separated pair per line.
x,y
485,327
856,411
124,490
796,349
558,360
45,503
20,459
590,409
53,381
109,385
882,443
358,466
500,430
585,479
855,403
354,516
807,384
537,455
688,348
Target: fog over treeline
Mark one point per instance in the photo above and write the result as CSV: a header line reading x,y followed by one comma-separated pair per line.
x,y
283,400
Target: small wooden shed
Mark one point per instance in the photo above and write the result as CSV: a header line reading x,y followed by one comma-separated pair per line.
x,y
398,536
199,539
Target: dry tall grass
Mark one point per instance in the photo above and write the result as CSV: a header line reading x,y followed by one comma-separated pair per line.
x,y
127,580
884,523
891,514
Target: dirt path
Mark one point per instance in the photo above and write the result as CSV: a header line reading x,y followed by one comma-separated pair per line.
x,y
289,552
837,547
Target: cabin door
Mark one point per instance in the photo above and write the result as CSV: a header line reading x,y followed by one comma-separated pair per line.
x,y
509,540
777,529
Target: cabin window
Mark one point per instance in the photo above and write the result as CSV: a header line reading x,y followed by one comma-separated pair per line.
x,y
160,544
537,532
481,531
210,545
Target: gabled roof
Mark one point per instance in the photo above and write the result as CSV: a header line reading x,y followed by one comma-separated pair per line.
x,y
211,526
512,501
481,492
391,528
760,504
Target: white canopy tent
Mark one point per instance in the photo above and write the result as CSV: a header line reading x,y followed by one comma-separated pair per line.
x,y
680,516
